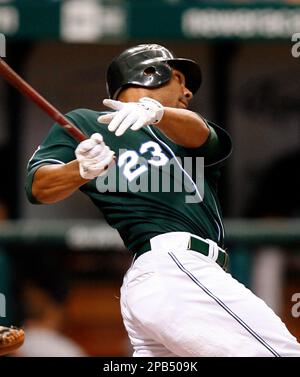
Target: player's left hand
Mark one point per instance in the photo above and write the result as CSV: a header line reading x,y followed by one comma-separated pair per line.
x,y
133,115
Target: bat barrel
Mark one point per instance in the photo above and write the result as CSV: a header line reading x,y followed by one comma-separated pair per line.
x,y
15,80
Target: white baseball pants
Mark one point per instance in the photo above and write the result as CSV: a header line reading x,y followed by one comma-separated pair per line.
x,y
178,302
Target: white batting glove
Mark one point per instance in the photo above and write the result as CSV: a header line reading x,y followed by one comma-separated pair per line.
x,y
133,115
94,157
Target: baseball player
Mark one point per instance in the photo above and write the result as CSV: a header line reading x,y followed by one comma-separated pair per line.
x,y
176,298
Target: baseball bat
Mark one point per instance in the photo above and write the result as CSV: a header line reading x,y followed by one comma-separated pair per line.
x,y
15,80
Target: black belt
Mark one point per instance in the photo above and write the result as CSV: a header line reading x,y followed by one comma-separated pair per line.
x,y
195,244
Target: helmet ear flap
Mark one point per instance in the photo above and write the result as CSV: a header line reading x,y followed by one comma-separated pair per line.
x,y
151,70
149,74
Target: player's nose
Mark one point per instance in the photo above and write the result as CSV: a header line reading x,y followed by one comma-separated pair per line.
x,y
188,94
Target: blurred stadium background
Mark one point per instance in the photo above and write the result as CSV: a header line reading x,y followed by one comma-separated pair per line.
x,y
60,265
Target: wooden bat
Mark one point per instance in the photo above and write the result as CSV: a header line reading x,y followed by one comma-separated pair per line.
x,y
15,80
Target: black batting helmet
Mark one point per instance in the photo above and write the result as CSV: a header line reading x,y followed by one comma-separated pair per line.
x,y
150,66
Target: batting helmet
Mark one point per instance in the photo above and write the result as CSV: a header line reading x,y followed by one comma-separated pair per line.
x,y
150,66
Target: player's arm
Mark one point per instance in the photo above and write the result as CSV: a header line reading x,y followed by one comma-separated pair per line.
x,y
182,126
54,182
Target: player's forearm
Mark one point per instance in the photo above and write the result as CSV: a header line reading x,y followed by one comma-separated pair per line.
x,y
183,127
53,183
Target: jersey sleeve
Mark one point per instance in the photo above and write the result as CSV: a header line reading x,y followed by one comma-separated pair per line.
x,y
217,147
57,148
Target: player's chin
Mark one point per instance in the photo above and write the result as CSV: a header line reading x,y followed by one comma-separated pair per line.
x,y
182,105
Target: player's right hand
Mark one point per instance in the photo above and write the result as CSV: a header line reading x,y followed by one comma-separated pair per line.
x,y
94,157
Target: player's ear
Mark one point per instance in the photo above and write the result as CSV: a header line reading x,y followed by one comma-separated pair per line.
x,y
178,76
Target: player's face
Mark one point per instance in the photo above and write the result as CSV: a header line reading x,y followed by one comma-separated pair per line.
x,y
174,93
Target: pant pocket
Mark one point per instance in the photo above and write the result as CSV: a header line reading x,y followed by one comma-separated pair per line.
x,y
139,279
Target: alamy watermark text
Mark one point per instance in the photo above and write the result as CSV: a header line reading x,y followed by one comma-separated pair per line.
x,y
2,305
296,306
296,47
155,173
2,46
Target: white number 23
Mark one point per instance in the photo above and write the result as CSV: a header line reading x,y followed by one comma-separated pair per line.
x,y
131,158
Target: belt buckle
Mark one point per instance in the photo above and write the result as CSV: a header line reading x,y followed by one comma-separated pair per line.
x,y
213,249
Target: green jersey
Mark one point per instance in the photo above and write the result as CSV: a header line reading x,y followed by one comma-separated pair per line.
x,y
149,191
